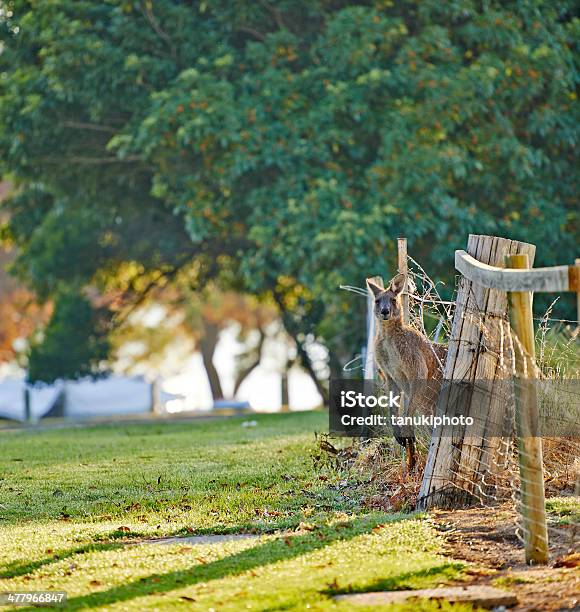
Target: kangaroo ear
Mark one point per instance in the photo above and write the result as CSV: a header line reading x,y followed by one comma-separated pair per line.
x,y
376,289
398,283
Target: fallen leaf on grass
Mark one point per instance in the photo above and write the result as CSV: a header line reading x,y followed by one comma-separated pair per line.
x,y
187,598
95,583
377,502
328,447
271,513
572,560
479,571
306,527
123,528
322,565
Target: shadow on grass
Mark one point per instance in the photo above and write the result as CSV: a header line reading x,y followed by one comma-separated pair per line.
x,y
265,554
14,569
103,542
404,581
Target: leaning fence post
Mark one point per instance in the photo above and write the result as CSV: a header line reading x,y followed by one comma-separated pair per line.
x,y
461,465
529,440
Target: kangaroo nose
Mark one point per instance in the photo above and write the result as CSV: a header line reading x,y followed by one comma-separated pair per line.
x,y
384,311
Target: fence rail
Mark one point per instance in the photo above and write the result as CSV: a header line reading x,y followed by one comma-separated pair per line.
x,y
549,280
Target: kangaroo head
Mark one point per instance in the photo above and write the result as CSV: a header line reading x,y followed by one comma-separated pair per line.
x,y
387,301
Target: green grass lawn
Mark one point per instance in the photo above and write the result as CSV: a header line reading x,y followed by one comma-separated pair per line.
x,y
77,503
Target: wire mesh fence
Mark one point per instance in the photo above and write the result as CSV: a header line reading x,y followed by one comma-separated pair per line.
x,y
483,464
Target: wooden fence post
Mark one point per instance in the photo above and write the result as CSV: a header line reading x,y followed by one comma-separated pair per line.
x,y
403,269
284,392
370,364
27,405
370,368
458,464
577,262
527,415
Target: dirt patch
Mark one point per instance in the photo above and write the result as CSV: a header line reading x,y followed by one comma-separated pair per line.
x,y
486,538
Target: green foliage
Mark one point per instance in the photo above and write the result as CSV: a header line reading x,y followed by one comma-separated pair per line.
x,y
75,341
292,141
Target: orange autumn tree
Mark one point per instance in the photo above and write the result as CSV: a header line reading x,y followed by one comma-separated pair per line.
x,y
20,314
20,317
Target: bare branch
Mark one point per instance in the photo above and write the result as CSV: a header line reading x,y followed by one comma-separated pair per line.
x,y
257,35
164,277
92,160
275,13
302,353
148,12
80,125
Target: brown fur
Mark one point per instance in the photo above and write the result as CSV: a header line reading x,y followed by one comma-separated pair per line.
x,y
404,356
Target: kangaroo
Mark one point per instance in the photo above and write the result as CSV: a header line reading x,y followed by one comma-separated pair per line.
x,y
404,356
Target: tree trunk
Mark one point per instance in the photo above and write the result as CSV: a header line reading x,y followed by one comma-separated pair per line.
x,y
284,394
303,357
249,369
207,346
306,363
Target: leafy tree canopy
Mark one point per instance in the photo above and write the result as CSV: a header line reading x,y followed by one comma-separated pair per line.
x,y
75,341
285,144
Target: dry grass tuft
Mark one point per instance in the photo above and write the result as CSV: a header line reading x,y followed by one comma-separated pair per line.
x,y
388,484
